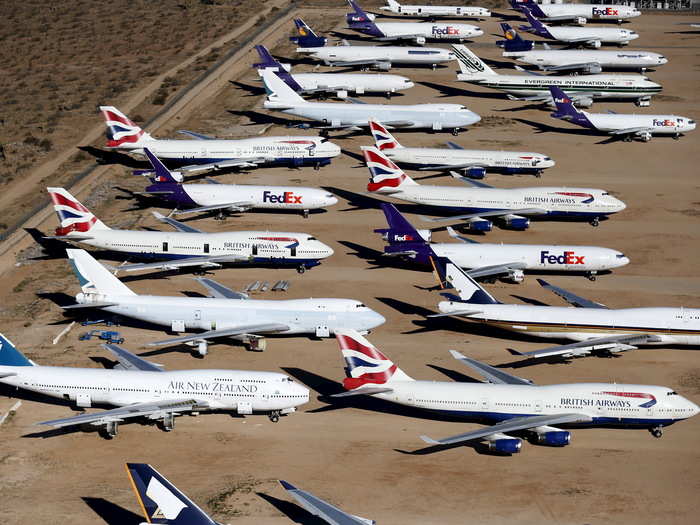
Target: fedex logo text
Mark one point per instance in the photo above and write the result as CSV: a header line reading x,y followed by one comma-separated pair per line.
x,y
608,11
287,197
664,123
564,258
447,30
403,238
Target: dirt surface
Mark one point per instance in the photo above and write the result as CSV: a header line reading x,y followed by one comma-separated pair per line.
x,y
356,455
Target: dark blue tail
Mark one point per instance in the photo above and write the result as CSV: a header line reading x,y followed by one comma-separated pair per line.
x,y
529,4
404,240
565,106
360,21
268,61
513,42
161,173
537,27
10,356
161,501
306,36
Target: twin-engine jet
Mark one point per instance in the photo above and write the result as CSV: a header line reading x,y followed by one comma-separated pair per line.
x,y
577,13
141,389
513,403
434,11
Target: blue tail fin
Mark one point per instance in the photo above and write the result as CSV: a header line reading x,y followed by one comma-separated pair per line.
x,y
565,106
400,230
10,356
513,41
538,27
529,4
306,36
269,62
358,19
161,501
162,174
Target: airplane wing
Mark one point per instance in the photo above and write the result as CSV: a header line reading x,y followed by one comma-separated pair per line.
x,y
492,375
324,510
89,305
451,231
405,253
510,425
152,409
469,181
362,391
398,123
219,290
179,226
214,261
399,37
68,237
570,297
592,66
582,40
577,97
233,206
228,332
457,313
131,361
359,63
496,269
453,145
194,135
250,162
494,213
7,374
442,167
581,348
632,131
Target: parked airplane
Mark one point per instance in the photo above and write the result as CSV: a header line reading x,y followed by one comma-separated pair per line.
x,y
418,32
535,86
577,13
379,57
187,246
227,314
335,115
472,162
324,510
590,36
481,202
513,403
626,126
195,198
338,83
489,260
141,389
594,327
584,60
207,153
435,11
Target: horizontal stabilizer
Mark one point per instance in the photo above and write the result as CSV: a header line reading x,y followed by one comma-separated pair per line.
x,y
493,375
570,297
131,361
581,348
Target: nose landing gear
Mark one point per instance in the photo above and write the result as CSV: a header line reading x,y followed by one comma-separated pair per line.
x,y
657,431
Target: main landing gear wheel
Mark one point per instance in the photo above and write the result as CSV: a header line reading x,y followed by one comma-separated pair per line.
x,y
274,416
301,269
657,432
317,166
455,131
595,222
591,276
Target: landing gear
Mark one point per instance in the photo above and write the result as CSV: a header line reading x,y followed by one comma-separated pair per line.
x,y
324,133
256,344
595,222
591,276
455,131
538,173
111,429
388,95
628,138
657,431
434,66
274,416
317,166
168,422
301,269
677,136
221,216
305,213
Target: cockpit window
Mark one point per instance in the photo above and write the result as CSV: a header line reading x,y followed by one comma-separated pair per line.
x,y
360,305
311,238
620,256
672,393
605,193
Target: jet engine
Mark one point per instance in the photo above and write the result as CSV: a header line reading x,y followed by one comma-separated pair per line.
x,y
555,438
592,69
475,173
595,43
580,21
585,102
481,225
514,276
516,222
505,446
645,137
383,66
419,40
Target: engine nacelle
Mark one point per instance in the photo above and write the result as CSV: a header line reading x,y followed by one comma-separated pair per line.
x,y
514,276
480,226
593,69
586,102
645,137
642,102
596,44
476,173
505,446
341,94
383,66
420,40
515,222
556,438
580,21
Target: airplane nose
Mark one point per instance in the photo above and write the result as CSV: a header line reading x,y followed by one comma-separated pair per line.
x,y
376,319
663,60
328,250
622,261
694,409
477,32
619,205
331,200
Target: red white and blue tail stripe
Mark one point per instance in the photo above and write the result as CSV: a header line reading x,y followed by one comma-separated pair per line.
x,y
73,216
383,140
385,176
122,132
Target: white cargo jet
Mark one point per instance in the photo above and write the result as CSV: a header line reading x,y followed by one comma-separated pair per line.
x,y
577,13
141,389
594,327
434,11
513,403
226,314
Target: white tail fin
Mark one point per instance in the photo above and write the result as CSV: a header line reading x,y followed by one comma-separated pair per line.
x,y
93,277
383,140
385,176
122,132
279,94
471,65
72,215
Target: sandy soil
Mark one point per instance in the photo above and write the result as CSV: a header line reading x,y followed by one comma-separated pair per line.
x,y
355,454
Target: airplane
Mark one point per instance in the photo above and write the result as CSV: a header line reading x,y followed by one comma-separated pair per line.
x,y
576,13
418,32
588,61
509,262
338,83
167,185
434,11
482,202
324,510
628,127
472,163
587,36
187,246
535,86
225,314
594,328
204,153
338,115
379,57
513,403
142,389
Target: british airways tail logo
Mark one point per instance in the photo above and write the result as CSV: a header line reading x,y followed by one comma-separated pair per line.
x,y
385,174
120,130
565,258
365,364
73,215
381,137
287,197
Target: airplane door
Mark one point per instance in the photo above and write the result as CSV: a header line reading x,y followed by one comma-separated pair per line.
x,y
197,315
538,405
484,404
254,249
206,247
165,246
293,251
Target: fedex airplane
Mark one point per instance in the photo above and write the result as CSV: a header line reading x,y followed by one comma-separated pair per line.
x,y
205,153
589,36
594,327
141,389
577,13
588,61
187,246
481,202
472,162
379,57
514,404
484,260
626,126
535,86
418,32
225,314
434,11
335,115
198,198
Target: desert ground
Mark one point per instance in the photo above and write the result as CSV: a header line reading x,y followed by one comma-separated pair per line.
x,y
359,454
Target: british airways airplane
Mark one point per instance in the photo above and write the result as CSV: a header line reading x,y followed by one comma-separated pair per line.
x,y
512,403
141,389
578,13
206,153
481,202
188,246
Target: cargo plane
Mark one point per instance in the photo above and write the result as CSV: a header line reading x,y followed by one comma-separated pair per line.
x,y
577,13
434,11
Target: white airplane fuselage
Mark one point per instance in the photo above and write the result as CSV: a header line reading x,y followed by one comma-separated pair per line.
x,y
422,30
437,11
358,83
604,59
590,11
606,35
658,124
337,55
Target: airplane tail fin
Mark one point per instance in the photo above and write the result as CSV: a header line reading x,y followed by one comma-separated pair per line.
x,y
93,277
161,501
269,62
532,20
400,231
358,18
469,64
72,215
382,138
385,176
393,4
160,172
279,94
513,41
451,275
122,132
565,106
364,364
531,5
306,36
10,356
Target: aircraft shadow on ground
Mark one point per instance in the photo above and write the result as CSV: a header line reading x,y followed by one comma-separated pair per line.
x,y
546,128
378,260
111,513
449,91
252,89
114,157
256,118
293,511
